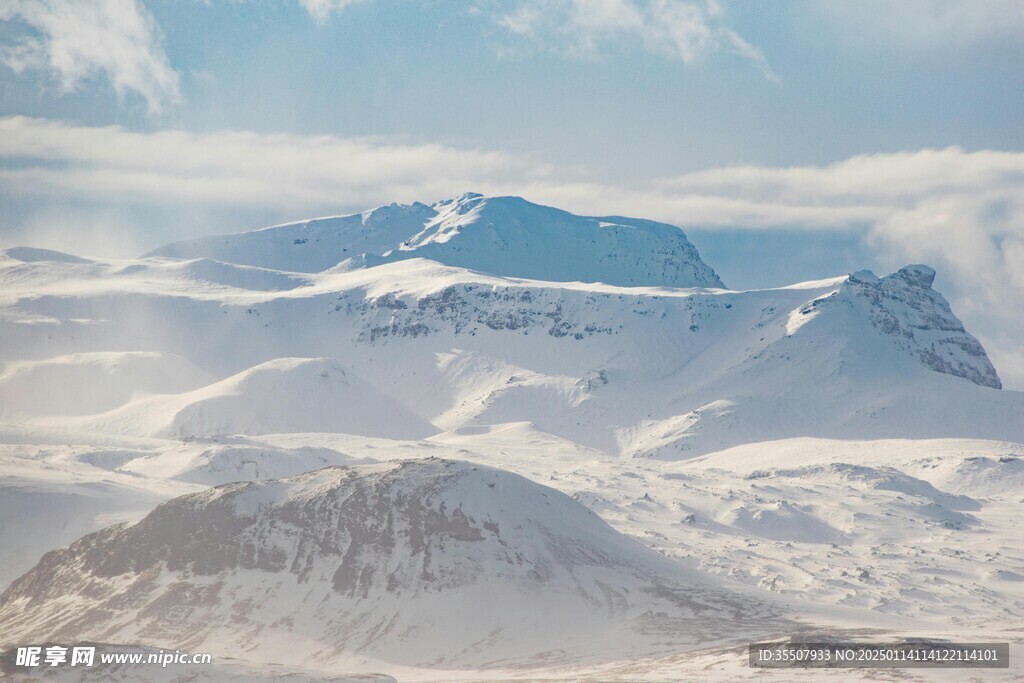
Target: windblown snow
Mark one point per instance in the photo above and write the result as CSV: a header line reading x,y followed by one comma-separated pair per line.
x,y
380,403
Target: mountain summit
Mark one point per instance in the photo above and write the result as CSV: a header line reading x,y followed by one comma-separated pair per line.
x,y
422,562
505,236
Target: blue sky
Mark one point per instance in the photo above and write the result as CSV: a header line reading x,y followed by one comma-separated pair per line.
x,y
792,140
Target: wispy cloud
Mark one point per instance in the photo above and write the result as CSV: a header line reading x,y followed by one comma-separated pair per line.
x,y
678,29
961,211
929,24
74,42
322,9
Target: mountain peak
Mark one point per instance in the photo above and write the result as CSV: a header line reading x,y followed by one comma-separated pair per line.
x,y
506,236
511,236
917,275
462,198
919,320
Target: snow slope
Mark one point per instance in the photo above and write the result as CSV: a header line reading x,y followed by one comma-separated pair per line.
x,y
282,395
500,235
90,383
309,246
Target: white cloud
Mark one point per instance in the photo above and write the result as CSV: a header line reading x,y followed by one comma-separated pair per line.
x,y
895,178
275,170
321,9
678,29
76,41
962,212
288,170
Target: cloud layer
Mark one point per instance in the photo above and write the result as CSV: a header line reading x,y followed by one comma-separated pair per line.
x,y
236,168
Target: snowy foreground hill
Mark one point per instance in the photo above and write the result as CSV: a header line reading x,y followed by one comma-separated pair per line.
x,y
486,439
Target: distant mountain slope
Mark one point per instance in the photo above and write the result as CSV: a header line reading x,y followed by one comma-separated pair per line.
x,y
89,383
282,395
309,246
427,562
505,236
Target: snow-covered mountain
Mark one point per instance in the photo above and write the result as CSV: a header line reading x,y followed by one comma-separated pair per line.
x,y
418,347
500,235
830,439
418,562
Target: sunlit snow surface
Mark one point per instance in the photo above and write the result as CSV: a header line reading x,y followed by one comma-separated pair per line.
x,y
832,457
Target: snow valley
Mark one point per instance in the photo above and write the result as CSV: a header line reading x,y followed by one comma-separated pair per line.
x,y
485,438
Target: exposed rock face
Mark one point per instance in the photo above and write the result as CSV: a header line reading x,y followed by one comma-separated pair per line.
x,y
413,561
468,308
919,320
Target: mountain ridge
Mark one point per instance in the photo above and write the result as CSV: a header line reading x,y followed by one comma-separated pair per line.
x,y
644,371
501,235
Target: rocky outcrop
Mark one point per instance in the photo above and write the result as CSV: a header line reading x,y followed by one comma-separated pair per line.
x,y
918,320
